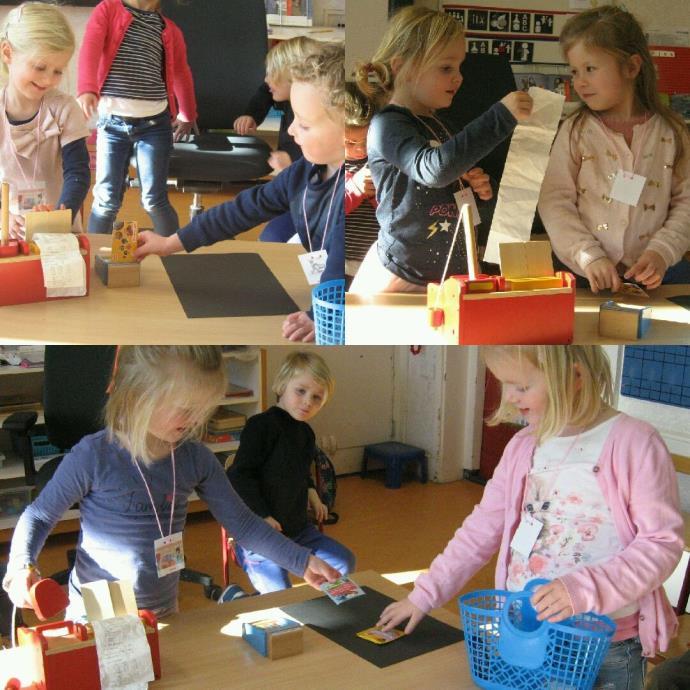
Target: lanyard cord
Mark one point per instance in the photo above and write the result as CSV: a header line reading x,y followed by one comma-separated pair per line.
x,y
148,490
14,148
328,214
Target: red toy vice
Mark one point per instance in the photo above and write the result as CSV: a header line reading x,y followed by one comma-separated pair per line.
x,y
21,275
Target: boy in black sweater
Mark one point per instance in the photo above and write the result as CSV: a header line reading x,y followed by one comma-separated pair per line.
x,y
272,470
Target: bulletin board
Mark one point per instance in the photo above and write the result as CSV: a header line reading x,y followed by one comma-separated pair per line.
x,y
658,373
525,36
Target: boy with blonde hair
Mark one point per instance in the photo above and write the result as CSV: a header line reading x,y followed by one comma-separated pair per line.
x,y
311,189
272,470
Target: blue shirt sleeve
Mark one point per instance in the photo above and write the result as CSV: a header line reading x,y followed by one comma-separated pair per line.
x,y
396,136
76,175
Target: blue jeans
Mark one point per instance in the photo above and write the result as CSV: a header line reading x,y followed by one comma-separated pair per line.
x,y
267,576
150,139
624,667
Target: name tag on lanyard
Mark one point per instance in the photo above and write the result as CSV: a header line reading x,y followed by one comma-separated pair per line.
x,y
526,535
313,265
169,554
465,195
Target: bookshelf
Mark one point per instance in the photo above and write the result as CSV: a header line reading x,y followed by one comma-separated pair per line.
x,y
245,368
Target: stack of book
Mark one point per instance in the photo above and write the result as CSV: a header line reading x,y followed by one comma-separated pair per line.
x,y
225,425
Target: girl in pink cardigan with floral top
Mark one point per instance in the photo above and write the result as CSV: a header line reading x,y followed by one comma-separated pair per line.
x,y
599,487
616,196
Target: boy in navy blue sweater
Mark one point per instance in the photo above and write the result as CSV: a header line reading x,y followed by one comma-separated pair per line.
x,y
311,189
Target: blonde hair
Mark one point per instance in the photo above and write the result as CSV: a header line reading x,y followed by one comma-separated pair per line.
x,y
417,35
284,54
358,108
578,384
147,377
36,28
325,70
303,362
617,32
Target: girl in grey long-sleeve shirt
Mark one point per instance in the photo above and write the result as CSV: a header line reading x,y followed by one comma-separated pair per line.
x,y
133,482
416,162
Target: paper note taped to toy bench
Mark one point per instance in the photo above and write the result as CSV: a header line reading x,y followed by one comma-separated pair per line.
x,y
524,172
64,268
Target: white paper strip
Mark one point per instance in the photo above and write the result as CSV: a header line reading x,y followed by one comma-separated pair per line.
x,y
64,268
124,655
524,172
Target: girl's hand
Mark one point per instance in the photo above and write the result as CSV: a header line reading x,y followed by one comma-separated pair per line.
x,y
279,160
88,102
20,584
480,183
298,327
363,182
182,129
245,124
519,103
151,243
649,269
399,611
273,523
318,572
602,274
17,227
552,602
318,508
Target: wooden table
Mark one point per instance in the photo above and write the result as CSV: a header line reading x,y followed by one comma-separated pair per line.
x,y
151,313
204,649
401,319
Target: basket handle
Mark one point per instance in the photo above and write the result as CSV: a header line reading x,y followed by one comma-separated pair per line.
x,y
525,648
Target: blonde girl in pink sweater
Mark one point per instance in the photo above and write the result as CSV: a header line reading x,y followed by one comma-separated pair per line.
x,y
616,196
598,494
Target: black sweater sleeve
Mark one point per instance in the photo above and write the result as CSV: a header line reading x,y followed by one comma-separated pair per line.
x,y
260,103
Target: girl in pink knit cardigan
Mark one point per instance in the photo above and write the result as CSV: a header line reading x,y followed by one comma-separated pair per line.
x,y
616,195
583,496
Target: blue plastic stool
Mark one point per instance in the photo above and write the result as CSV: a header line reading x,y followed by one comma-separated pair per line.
x,y
395,456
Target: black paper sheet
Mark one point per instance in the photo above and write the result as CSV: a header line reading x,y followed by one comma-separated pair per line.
x,y
342,623
218,285
681,301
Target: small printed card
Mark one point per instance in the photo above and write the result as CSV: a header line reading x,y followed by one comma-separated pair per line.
x,y
378,636
342,590
632,290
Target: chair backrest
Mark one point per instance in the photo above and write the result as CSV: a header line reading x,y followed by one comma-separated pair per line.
x,y
486,79
76,378
226,49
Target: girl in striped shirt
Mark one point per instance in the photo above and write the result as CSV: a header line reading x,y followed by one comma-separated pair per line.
x,y
133,71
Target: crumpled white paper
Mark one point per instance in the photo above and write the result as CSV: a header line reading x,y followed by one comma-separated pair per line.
x,y
524,172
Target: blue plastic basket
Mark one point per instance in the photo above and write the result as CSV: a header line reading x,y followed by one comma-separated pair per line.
x,y
328,300
509,649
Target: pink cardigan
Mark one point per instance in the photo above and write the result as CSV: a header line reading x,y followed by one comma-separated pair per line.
x,y
584,226
104,33
637,479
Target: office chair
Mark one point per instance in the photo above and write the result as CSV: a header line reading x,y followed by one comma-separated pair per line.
x,y
226,50
75,383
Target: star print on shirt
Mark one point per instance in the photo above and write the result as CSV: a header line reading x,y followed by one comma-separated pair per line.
x,y
443,226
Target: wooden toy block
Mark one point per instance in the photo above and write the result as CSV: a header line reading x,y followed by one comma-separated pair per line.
x,y
115,274
274,638
623,321
125,237
537,283
47,221
525,259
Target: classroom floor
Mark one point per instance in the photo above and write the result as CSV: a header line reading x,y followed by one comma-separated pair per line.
x,y
391,532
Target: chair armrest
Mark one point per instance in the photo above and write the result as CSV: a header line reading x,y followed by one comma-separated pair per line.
x,y
20,422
